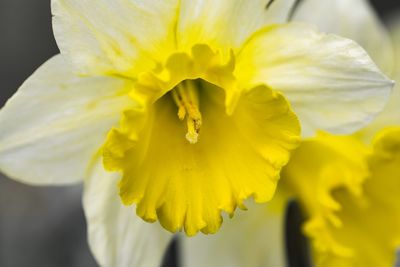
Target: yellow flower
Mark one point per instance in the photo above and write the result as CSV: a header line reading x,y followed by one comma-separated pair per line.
x,y
189,101
350,194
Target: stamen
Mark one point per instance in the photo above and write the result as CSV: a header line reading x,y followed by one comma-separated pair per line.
x,y
186,97
181,106
192,135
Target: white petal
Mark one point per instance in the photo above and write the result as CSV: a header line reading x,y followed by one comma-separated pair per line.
x,y
226,22
391,113
56,122
125,37
117,236
119,36
252,238
390,116
330,81
353,19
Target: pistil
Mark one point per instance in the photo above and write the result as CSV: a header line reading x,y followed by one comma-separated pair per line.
x,y
186,97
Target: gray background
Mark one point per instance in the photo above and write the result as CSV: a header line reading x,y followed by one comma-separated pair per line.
x,y
43,226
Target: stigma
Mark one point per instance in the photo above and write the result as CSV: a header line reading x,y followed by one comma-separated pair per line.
x,y
186,97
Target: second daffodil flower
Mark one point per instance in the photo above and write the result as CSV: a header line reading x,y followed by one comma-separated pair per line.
x,y
195,103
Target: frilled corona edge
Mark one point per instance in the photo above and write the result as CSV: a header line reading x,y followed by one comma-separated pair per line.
x,y
350,195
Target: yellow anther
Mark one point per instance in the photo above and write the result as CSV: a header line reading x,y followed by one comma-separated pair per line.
x,y
179,103
192,135
181,113
186,97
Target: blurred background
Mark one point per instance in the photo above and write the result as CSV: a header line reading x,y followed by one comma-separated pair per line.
x,y
45,226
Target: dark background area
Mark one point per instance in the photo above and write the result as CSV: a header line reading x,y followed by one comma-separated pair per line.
x,y
45,226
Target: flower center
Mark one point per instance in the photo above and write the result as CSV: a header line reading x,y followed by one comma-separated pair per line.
x,y
186,97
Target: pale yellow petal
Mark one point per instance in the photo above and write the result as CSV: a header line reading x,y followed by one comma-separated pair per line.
x,y
253,238
331,82
56,122
186,186
390,116
227,23
120,37
353,19
117,237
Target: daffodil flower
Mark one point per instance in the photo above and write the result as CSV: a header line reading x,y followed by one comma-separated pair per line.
x,y
192,105
352,198
348,186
